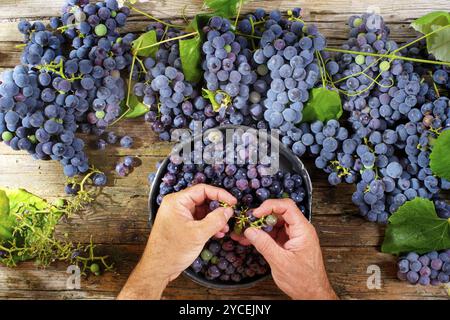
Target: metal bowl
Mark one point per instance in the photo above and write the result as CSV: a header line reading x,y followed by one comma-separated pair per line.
x,y
288,162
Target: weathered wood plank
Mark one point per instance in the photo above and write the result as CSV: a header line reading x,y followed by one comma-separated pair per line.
x,y
348,279
317,10
131,228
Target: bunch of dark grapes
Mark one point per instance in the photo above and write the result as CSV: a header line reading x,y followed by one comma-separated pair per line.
x,y
378,93
173,101
250,183
430,268
69,79
226,260
98,57
388,117
42,46
229,73
37,115
288,57
396,163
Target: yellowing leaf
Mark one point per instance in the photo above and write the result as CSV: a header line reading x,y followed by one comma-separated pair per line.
x,y
17,200
20,197
211,96
4,203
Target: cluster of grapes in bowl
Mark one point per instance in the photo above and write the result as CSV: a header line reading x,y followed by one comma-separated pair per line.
x,y
225,261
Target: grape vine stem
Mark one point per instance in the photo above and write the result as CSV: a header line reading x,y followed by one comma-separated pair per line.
x,y
388,56
393,56
154,18
168,40
238,13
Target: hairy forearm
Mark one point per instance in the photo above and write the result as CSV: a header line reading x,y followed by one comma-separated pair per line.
x,y
145,283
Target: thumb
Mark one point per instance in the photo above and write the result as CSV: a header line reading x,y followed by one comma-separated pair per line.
x,y
214,221
263,242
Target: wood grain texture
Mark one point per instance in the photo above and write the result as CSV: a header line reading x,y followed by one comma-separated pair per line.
x,y
348,279
118,219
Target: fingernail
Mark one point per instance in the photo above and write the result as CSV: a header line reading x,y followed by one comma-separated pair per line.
x,y
250,233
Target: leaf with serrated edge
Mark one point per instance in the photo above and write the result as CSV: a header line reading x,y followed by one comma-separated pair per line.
x,y
323,105
416,227
17,199
144,40
424,23
440,156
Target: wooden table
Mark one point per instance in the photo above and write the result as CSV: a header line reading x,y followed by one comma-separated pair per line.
x,y
118,219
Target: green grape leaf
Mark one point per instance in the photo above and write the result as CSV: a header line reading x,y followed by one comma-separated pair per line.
x,y
191,55
424,24
4,203
20,197
137,108
440,156
439,41
17,198
323,105
5,225
144,40
211,96
416,227
223,8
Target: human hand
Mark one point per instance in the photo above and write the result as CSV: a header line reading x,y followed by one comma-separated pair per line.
x,y
181,229
292,251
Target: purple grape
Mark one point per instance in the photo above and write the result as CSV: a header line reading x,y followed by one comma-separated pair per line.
x,y
101,144
436,264
412,277
122,170
126,142
213,205
129,161
99,179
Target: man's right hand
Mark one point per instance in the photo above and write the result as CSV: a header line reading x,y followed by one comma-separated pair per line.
x,y
294,255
